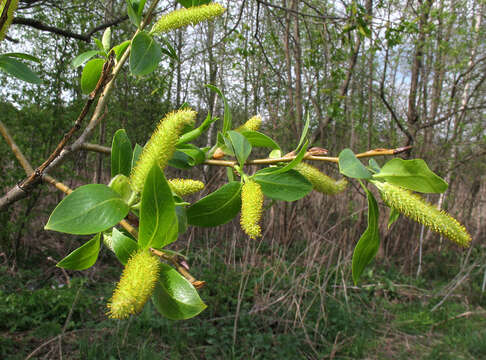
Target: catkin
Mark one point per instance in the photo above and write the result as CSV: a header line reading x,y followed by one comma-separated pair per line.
x,y
184,187
253,124
320,181
184,17
251,208
417,209
135,286
161,146
10,15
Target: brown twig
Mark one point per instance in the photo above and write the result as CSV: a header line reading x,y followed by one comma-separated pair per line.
x,y
96,148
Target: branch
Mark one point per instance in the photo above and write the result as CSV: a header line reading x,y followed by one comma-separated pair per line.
x,y
321,17
36,24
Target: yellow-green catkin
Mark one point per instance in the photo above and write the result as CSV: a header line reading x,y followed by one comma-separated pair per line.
x,y
135,286
253,124
251,208
320,181
184,187
184,17
417,209
161,146
10,15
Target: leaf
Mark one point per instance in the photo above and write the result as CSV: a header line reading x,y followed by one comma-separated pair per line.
x,y
135,10
187,156
83,257
374,165
350,166
87,210
22,56
411,174
369,242
106,39
190,3
100,45
120,49
258,139
175,297
394,215
121,154
123,246
158,220
288,186
91,74
137,150
169,49
181,212
291,164
240,146
121,184
227,112
83,57
18,69
217,208
145,54
304,132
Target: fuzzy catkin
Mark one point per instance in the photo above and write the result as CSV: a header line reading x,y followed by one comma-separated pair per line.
x,y
417,209
320,181
135,286
184,187
253,124
184,17
10,15
161,146
251,208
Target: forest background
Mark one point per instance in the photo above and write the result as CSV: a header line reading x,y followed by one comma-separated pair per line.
x,y
370,74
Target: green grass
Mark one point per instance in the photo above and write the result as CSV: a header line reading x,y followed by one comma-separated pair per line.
x,y
390,317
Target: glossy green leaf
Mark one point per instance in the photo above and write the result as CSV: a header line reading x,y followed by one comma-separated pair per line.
x,y
411,174
304,132
187,156
374,165
120,49
137,150
87,210
350,166
240,146
123,246
394,215
83,257
106,39
369,242
227,120
145,54
175,297
217,208
91,74
100,45
158,219
121,154
121,184
83,57
135,10
257,139
18,69
290,165
190,3
288,186
22,56
181,212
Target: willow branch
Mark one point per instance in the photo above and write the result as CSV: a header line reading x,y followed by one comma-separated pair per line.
x,y
96,148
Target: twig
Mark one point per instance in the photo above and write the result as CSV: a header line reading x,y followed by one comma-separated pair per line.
x,y
97,148
15,149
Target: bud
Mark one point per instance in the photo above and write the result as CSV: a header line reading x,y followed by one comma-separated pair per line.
x,y
253,124
135,286
184,17
161,146
321,182
10,15
417,209
251,208
184,187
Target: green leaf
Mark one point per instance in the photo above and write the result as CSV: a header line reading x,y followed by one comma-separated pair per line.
x,y
91,74
258,139
22,56
100,45
288,186
240,146
121,154
217,208
181,212
291,164
169,49
350,166
411,174
187,156
82,58
374,165
121,184
369,242
145,54
83,257
123,246
158,219
394,215
227,112
120,49
18,69
175,297
106,39
87,210
190,3
137,150
135,11
304,132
